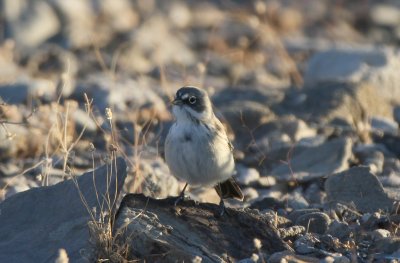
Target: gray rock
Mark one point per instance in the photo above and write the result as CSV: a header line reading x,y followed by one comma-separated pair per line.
x,y
340,230
188,230
306,244
299,212
379,234
297,201
14,93
359,186
385,125
377,66
155,180
315,222
246,175
55,217
30,23
385,15
316,162
287,256
121,94
292,231
374,159
314,194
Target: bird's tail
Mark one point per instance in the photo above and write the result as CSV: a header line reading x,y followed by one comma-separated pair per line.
x,y
229,189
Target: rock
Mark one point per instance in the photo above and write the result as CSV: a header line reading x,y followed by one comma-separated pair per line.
x,y
268,203
288,256
120,93
385,15
246,175
249,194
17,183
314,194
305,244
340,230
154,179
359,186
292,231
370,157
296,129
384,125
392,180
391,142
387,245
316,162
55,217
265,181
297,201
30,23
15,93
379,234
329,101
315,222
295,214
83,120
189,230
377,66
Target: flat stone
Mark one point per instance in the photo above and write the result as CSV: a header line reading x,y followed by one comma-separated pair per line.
x,y
376,66
315,162
287,256
36,223
315,222
359,186
188,230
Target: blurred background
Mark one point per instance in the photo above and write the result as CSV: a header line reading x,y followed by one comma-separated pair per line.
x,y
280,73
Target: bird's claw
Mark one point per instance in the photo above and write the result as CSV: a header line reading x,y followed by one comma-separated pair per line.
x,y
179,199
222,209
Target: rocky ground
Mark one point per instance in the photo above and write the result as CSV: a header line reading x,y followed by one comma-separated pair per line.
x,y
308,91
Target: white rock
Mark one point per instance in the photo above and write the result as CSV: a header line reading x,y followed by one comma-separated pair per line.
x,y
384,125
377,66
385,15
246,175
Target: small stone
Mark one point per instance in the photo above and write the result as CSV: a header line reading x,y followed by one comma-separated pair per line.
x,y
316,222
340,230
297,201
360,186
385,15
266,181
316,162
385,125
246,175
379,234
249,193
289,256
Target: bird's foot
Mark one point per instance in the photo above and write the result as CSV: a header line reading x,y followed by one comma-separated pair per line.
x,y
179,199
181,196
222,209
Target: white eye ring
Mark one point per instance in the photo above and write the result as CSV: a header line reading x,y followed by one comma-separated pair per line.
x,y
192,100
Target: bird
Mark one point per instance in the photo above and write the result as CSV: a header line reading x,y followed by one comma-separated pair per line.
x,y
197,148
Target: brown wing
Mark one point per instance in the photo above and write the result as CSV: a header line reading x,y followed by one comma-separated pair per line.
x,y
229,189
222,133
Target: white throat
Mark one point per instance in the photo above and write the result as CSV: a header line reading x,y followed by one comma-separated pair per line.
x,y
185,114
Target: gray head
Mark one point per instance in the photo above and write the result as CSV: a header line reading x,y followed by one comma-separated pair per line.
x,y
192,103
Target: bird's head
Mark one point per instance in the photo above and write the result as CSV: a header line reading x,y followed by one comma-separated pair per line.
x,y
192,104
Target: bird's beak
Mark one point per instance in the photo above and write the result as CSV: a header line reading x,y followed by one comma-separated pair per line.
x,y
177,101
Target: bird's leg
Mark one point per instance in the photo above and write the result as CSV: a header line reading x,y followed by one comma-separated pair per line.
x,y
181,196
222,208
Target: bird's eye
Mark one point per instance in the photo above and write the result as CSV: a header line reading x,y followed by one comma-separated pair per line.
x,y
192,100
